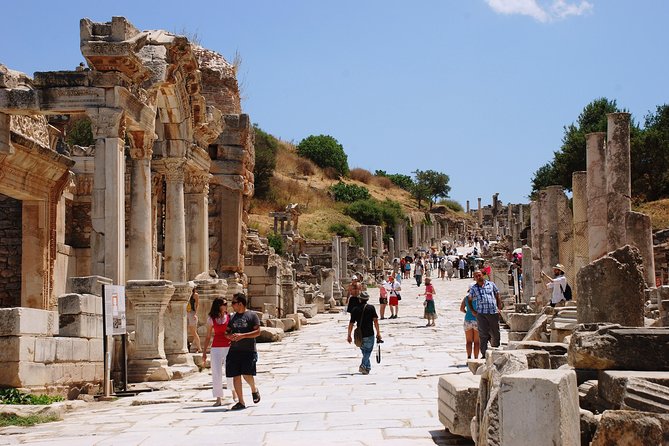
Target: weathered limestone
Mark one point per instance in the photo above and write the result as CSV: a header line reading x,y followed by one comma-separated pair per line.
x,y
631,428
612,289
197,230
618,178
528,274
480,212
108,207
500,266
176,345
140,237
580,235
620,348
565,234
596,190
545,398
635,390
639,232
175,220
327,283
457,402
147,361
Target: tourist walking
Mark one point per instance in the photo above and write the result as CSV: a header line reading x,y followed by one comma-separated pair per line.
x,y
383,300
217,322
418,272
243,329
430,312
488,305
191,320
461,267
353,291
442,268
471,328
366,319
558,284
393,288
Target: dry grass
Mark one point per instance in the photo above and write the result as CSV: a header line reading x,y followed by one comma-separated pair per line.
x,y
384,182
305,167
658,211
362,175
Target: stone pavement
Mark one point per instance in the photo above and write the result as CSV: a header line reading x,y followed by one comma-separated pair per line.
x,y
312,393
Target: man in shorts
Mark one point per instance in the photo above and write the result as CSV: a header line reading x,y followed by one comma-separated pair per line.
x,y
243,329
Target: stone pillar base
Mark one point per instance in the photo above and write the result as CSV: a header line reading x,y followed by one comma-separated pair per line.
x,y
181,359
141,370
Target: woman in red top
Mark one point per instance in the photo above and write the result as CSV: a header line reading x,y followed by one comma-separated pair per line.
x,y
218,323
430,310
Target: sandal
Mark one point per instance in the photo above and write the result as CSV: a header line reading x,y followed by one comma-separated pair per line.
x,y
238,406
256,396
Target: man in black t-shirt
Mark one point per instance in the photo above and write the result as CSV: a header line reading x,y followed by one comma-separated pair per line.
x,y
366,318
243,329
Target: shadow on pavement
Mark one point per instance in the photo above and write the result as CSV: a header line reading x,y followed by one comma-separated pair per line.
x,y
445,438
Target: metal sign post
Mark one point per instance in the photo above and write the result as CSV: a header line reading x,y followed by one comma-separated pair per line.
x,y
113,318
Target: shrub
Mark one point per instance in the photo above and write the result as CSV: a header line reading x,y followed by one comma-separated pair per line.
x,y
325,151
348,193
80,133
331,173
343,230
304,167
15,396
384,182
402,181
375,212
276,241
266,147
452,204
362,175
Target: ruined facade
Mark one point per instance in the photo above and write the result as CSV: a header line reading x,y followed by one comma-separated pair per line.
x,y
160,198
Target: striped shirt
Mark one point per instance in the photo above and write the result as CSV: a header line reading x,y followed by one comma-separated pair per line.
x,y
484,297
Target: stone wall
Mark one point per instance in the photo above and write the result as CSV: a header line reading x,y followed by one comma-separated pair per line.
x,y
10,252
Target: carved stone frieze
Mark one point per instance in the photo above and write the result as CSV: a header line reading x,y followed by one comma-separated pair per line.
x,y
33,128
197,183
84,184
107,122
174,169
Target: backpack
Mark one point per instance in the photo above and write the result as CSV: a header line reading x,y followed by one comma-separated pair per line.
x,y
566,292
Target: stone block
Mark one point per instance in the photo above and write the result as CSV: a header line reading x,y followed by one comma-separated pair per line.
x,y
517,335
308,310
537,328
546,398
631,428
298,321
23,374
288,324
96,349
638,390
17,348
19,321
521,321
81,325
269,334
88,373
550,347
536,359
319,301
87,285
79,303
558,361
63,349
45,350
457,397
275,323
618,348
253,271
611,289
474,364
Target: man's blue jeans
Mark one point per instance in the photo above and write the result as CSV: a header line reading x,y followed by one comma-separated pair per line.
x,y
366,348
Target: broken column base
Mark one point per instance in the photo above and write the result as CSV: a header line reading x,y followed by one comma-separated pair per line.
x,y
140,370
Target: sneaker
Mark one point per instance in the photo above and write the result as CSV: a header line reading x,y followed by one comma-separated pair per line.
x,y
361,369
364,371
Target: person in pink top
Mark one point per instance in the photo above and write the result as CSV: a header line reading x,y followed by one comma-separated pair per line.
x,y
217,322
430,310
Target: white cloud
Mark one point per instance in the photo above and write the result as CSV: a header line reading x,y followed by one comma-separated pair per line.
x,y
542,11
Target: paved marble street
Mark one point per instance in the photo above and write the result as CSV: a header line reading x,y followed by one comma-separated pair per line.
x,y
312,393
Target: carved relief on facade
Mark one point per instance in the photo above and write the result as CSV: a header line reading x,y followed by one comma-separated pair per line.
x,y
107,122
197,183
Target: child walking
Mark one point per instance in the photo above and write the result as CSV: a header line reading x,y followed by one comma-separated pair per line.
x,y
430,310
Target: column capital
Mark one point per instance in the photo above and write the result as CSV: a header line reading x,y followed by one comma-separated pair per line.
x,y
174,169
197,183
141,144
107,122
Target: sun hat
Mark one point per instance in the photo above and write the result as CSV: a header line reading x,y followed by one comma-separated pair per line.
x,y
559,266
364,296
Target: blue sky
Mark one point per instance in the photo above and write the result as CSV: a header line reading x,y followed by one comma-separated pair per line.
x,y
477,89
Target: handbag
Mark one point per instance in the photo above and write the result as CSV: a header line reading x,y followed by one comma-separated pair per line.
x,y
357,333
399,297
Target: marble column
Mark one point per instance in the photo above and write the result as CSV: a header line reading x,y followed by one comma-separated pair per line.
x,y
480,213
366,239
596,192
618,179
379,241
537,235
500,269
197,231
140,235
176,345
343,262
147,361
392,251
175,221
336,257
108,197
580,208
640,234
327,283
467,207
565,235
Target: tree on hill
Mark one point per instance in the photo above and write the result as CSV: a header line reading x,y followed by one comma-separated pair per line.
x,y
402,181
571,156
429,186
650,157
266,147
325,151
